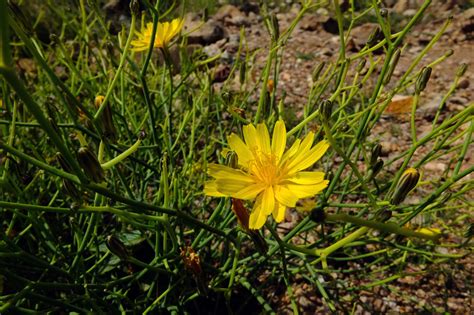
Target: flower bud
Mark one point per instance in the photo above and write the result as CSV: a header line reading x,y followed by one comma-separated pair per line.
x,y
376,168
326,109
89,163
135,7
375,37
422,79
117,247
435,232
71,190
106,119
317,71
461,70
361,66
318,215
383,12
275,26
376,151
393,65
270,86
62,161
406,184
242,72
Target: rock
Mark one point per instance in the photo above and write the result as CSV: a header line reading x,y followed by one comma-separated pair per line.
x,y
310,22
231,15
463,84
203,33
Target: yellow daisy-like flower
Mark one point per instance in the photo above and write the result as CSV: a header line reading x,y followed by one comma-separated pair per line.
x,y
266,172
164,33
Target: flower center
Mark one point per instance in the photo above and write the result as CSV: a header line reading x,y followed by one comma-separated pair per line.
x,y
265,168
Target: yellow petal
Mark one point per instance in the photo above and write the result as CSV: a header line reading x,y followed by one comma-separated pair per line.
x,y
254,222
230,187
304,191
279,139
311,157
243,153
279,212
263,138
307,178
268,200
250,136
210,189
291,151
284,196
303,150
224,172
250,192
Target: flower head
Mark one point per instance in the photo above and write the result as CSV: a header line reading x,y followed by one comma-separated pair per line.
x,y
164,33
275,178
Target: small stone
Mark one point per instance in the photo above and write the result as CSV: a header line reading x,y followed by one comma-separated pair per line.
x,y
463,84
203,34
435,167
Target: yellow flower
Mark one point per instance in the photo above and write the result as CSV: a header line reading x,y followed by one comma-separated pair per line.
x,y
274,177
164,33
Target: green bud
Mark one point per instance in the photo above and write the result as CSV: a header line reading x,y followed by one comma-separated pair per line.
x,y
461,70
406,184
135,7
89,163
393,65
64,164
117,247
275,26
376,168
376,151
361,66
422,79
317,71
326,109
375,36
242,71
71,190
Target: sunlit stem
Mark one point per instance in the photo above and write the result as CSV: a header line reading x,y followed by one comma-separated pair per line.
x,y
119,158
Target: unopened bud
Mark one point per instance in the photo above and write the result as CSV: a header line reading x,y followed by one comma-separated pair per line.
x,y
62,161
422,79
89,163
106,119
317,71
385,215
318,215
142,135
275,26
393,64
53,38
242,72
135,7
375,37
376,151
71,190
461,70
326,109
117,247
383,12
232,159
361,66
406,184
376,168
434,232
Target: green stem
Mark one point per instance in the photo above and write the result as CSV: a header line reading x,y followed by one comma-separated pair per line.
x,y
119,158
